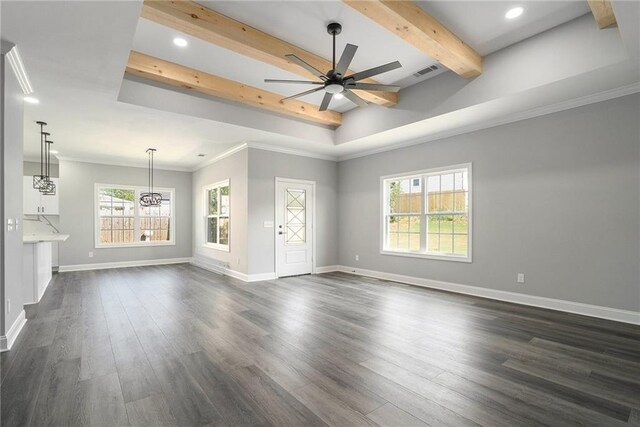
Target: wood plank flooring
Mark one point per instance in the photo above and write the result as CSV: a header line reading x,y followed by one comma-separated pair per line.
x,y
177,345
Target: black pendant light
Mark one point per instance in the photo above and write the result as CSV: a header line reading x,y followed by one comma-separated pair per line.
x,y
150,198
39,181
43,182
49,188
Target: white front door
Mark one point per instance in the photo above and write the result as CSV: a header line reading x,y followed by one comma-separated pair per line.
x,y
294,227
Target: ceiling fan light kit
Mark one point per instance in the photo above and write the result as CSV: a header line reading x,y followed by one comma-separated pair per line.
x,y
334,82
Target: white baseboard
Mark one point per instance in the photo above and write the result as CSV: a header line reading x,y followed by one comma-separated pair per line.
x,y
209,265
625,316
328,269
122,264
6,341
262,276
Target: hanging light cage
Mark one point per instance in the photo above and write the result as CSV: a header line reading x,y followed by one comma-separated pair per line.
x,y
43,182
150,198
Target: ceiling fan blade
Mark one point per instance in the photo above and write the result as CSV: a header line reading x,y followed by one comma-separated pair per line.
x,y
369,86
301,82
346,58
354,98
306,66
374,71
325,101
303,93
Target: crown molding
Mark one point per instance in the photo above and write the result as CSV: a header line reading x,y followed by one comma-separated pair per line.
x,y
231,151
13,56
292,151
121,163
523,115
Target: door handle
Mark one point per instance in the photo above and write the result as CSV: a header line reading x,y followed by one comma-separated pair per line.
x,y
280,232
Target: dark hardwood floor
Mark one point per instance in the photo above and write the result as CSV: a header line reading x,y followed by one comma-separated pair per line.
x,y
177,345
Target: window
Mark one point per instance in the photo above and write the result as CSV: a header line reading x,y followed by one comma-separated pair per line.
x,y
217,215
121,221
428,214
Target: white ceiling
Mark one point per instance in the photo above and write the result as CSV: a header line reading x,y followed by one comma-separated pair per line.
x,y
75,54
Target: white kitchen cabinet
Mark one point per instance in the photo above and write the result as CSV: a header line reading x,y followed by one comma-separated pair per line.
x,y
35,203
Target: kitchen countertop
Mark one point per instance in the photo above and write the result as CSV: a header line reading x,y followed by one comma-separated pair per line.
x,y
37,238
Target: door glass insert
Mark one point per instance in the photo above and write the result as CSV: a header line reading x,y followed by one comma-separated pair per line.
x,y
295,220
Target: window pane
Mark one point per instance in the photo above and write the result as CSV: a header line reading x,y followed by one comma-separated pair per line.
x,y
446,182
224,200
403,224
213,201
446,224
433,242
414,241
415,224
457,182
433,224
400,196
296,216
403,241
446,243
460,244
393,224
446,201
433,202
460,201
392,240
224,231
460,224
212,224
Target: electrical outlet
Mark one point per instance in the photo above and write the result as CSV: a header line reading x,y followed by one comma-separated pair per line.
x,y
90,254
357,257
520,278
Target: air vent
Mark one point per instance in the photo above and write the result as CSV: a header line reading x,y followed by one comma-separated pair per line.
x,y
425,71
201,155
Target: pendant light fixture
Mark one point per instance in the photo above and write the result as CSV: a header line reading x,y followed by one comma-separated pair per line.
x,y
150,198
49,188
39,180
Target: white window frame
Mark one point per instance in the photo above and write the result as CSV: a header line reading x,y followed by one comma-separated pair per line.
x,y
205,198
136,217
384,198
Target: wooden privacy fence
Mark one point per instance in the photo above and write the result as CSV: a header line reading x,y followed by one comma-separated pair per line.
x,y
446,201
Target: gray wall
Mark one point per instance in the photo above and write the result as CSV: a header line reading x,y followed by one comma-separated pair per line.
x,y
77,215
556,197
264,166
33,168
12,129
233,168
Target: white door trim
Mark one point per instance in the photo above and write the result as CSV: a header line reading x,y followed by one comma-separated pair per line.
x,y
313,220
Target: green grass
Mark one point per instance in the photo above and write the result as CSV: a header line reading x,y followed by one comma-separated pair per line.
x,y
447,233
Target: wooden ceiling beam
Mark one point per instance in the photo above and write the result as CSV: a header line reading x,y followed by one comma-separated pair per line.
x,y
211,26
409,22
177,75
602,12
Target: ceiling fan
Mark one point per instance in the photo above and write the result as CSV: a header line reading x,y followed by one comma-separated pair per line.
x,y
334,82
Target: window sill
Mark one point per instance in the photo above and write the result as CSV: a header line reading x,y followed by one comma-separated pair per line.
x,y
427,256
222,248
134,245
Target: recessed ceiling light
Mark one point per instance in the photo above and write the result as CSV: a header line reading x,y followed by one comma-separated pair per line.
x,y
179,41
53,151
31,100
514,13
338,96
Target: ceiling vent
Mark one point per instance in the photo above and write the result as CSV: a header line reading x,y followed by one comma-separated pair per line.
x,y
425,71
